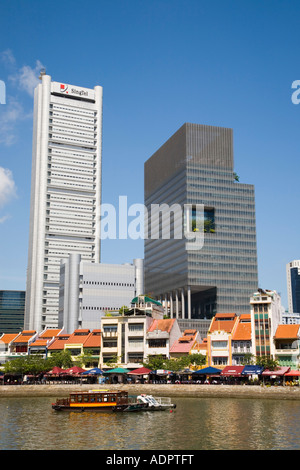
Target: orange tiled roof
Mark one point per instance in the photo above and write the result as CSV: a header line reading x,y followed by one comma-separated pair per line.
x,y
242,332
163,325
199,346
40,342
8,337
59,342
223,322
287,332
79,336
93,340
25,336
50,332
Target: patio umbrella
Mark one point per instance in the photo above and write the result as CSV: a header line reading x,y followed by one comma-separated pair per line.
x,y
186,371
140,371
55,371
117,370
208,371
73,370
94,371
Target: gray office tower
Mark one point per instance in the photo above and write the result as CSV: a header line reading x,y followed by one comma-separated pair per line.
x,y
194,170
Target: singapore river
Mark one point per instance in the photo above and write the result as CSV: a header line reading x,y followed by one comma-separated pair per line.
x,y
196,424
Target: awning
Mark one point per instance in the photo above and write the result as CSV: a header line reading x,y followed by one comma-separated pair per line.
x,y
277,372
292,373
208,371
140,371
118,370
252,370
94,371
73,371
232,371
162,372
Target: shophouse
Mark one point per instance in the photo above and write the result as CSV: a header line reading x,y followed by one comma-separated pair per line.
x,y
241,340
287,340
219,339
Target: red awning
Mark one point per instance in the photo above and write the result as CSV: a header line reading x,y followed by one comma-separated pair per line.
x,y
232,371
73,371
140,371
292,373
278,371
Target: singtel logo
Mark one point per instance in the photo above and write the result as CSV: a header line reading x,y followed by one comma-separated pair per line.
x,y
74,91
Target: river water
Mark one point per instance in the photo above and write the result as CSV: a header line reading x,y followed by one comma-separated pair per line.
x,y
196,424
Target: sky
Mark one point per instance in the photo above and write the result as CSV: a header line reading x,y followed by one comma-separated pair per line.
x,y
161,63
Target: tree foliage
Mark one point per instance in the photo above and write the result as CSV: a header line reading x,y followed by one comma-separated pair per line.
x,y
174,364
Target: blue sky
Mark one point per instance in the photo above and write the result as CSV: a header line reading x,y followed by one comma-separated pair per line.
x,y
161,63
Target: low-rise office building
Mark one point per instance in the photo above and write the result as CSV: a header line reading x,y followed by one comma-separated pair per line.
x,y
89,290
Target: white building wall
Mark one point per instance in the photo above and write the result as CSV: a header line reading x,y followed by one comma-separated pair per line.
x,y
65,191
89,290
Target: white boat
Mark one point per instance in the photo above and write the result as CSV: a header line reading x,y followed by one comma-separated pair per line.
x,y
155,403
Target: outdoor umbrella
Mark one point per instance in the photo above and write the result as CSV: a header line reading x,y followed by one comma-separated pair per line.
x,y
73,371
208,371
140,371
94,371
117,370
55,371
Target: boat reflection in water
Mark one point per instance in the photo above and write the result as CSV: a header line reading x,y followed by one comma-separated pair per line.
x,y
105,400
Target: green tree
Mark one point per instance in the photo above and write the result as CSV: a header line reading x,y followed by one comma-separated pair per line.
x,y
123,309
61,359
266,362
155,362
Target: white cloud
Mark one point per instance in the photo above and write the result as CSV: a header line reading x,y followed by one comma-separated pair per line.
x,y
27,78
4,218
7,58
7,187
10,115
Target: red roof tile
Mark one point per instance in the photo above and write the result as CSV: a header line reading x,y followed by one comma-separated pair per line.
x,y
287,332
163,325
59,342
8,337
25,336
242,332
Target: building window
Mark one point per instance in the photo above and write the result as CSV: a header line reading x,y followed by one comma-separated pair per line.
x,y
157,343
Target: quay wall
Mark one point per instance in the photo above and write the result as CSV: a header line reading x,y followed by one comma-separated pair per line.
x,y
167,390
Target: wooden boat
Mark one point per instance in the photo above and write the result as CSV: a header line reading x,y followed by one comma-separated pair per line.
x,y
98,400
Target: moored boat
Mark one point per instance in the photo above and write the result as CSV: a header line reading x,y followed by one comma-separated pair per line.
x,y
96,400
115,400
156,403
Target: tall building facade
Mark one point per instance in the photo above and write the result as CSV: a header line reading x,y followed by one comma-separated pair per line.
x,y
293,285
65,190
195,168
12,309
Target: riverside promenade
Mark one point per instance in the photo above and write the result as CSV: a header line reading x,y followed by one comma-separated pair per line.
x,y
168,390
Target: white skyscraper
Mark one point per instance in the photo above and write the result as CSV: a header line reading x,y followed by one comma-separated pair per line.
x,y
65,191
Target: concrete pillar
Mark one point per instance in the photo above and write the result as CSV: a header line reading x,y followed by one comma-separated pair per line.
x,y
182,304
177,304
189,303
171,304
